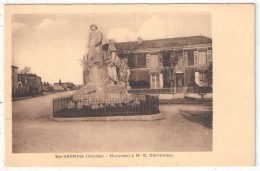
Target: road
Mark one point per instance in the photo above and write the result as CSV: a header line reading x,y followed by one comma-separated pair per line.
x,y
184,128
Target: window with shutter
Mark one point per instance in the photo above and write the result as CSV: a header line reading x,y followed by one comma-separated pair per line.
x,y
209,56
190,59
148,65
185,58
155,81
154,61
180,61
202,59
195,57
160,61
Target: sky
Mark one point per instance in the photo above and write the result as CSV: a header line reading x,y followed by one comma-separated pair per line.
x,y
52,45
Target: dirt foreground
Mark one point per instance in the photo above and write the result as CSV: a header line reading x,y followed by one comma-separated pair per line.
x,y
184,128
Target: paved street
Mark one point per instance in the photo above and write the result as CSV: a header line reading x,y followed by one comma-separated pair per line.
x,y
184,128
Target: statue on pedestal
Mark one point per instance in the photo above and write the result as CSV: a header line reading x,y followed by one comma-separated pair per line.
x,y
101,67
124,73
95,45
111,61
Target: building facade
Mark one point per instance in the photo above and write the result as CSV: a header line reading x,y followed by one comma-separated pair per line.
x,y
25,84
29,83
178,63
29,80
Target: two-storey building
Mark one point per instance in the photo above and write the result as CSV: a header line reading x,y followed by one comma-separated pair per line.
x,y
153,65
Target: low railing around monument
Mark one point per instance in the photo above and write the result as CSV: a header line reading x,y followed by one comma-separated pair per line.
x,y
173,90
128,106
152,91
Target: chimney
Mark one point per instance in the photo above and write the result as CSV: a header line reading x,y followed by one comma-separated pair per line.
x,y
139,40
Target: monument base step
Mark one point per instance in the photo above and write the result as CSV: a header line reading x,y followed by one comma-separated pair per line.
x,y
115,118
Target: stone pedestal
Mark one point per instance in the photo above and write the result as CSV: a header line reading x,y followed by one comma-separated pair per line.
x,y
91,91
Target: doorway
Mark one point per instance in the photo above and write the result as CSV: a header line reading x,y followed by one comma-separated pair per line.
x,y
179,79
179,82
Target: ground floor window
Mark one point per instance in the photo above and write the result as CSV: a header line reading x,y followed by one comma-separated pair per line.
x,y
156,80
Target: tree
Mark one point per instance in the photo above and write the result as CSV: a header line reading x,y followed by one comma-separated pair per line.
x,y
173,60
206,89
25,70
209,73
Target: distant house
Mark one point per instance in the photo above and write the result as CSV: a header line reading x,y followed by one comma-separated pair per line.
x,y
64,86
29,80
150,62
70,86
46,87
32,82
58,87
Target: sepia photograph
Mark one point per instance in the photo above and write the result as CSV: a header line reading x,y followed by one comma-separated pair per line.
x,y
80,80
129,85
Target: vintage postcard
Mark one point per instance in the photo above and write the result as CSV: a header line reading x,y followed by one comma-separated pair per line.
x,y
129,85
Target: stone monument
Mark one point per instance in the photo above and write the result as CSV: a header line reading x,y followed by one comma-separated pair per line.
x,y
106,76
106,81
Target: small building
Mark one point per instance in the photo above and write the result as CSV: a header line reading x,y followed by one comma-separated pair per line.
x,y
153,66
70,86
58,87
25,84
14,78
30,82
64,86
47,87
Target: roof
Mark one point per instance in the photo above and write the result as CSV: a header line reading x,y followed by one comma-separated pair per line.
x,y
64,83
69,83
29,75
163,43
